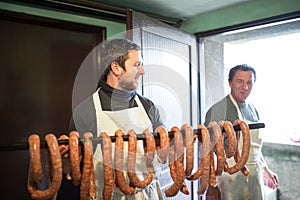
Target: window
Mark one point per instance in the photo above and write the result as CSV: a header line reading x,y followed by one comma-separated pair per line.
x,y
273,51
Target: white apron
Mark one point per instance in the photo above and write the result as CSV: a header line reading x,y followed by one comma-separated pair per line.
x,y
235,186
109,121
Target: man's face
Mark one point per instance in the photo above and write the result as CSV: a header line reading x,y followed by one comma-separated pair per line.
x,y
241,85
133,70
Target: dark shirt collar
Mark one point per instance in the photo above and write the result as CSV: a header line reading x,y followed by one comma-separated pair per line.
x,y
115,94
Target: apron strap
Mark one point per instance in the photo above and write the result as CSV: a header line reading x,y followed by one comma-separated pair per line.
x,y
240,116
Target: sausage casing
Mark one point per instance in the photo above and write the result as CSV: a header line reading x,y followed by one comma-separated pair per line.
x,y
232,141
35,159
220,152
85,186
205,153
56,171
119,160
189,144
245,149
149,150
213,174
75,157
106,147
172,158
179,163
172,166
132,148
163,148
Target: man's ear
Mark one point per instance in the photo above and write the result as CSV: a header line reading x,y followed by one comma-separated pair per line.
x,y
115,68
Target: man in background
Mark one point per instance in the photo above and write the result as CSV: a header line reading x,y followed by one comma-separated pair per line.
x,y
235,106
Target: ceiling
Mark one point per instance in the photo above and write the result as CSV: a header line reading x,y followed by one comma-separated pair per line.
x,y
176,9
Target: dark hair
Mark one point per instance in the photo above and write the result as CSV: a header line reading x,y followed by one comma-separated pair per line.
x,y
115,50
243,67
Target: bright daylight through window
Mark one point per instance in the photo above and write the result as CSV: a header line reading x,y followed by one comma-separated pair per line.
x,y
276,92
273,50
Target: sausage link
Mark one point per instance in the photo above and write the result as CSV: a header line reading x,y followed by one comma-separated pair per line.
x,y
184,189
119,160
199,171
106,147
35,169
179,163
213,174
163,148
56,171
205,153
75,158
226,166
189,144
87,167
232,142
48,166
220,152
246,141
246,172
93,193
65,156
31,185
149,150
172,158
237,158
134,180
35,175
245,149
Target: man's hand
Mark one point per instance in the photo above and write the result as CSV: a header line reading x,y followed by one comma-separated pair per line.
x,y
271,178
65,156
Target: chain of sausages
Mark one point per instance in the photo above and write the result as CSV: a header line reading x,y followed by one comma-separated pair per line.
x,y
205,153
176,164
232,141
180,148
189,158
219,144
75,157
207,170
119,160
87,188
189,144
35,175
241,160
106,147
53,168
149,149
132,148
